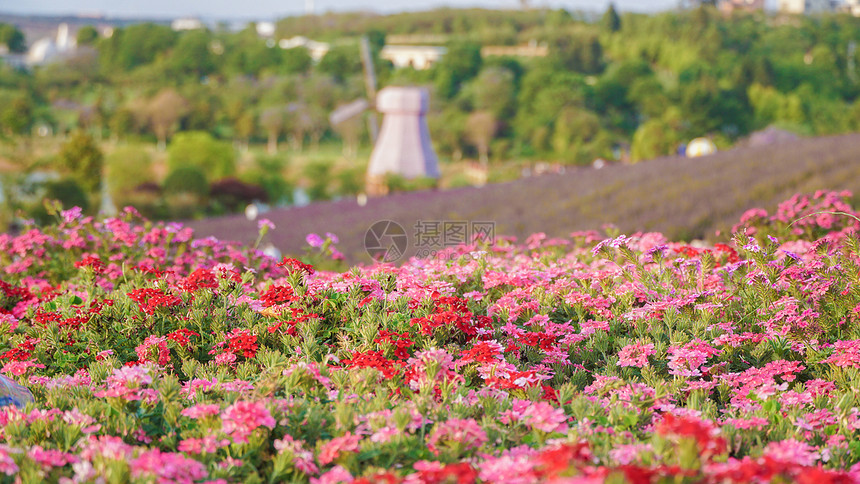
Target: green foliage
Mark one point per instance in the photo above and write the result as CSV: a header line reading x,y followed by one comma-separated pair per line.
x,y
136,45
318,175
611,21
83,159
653,138
269,174
87,35
461,62
187,179
17,117
67,191
216,159
340,62
127,168
192,56
12,38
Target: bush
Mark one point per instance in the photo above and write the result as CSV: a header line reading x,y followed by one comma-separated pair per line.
x,y
127,167
215,158
233,195
187,179
84,160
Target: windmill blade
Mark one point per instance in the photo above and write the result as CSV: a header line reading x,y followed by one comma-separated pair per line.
x,y
348,111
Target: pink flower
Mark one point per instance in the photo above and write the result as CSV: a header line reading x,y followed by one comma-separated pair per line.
x,y
626,453
167,467
207,444
303,459
686,360
792,451
335,476
635,355
50,457
161,353
107,446
19,368
331,449
465,432
7,465
545,417
846,353
201,410
241,418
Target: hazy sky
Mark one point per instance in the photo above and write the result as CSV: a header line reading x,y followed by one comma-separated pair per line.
x,y
272,9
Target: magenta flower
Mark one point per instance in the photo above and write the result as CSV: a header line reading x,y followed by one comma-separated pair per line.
x,y
241,418
314,240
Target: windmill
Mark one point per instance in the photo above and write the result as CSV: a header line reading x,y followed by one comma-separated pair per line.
x,y
402,147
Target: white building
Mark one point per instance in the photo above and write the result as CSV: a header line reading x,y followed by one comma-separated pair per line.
x,y
317,50
806,6
419,57
186,23
852,7
47,49
265,29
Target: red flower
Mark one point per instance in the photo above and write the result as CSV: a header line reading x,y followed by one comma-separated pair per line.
x,y
296,265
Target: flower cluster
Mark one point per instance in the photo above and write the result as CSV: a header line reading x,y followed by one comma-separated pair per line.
x,y
151,356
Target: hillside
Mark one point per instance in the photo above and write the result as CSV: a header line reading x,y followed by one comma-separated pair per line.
x,y
680,197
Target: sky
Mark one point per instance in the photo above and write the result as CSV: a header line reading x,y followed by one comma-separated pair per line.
x,y
274,9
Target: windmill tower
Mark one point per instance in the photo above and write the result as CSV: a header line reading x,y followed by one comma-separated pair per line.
x,y
404,146
310,8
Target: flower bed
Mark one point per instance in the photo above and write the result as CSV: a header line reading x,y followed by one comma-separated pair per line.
x,y
154,357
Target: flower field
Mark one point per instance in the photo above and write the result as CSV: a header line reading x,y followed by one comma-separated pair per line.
x,y
156,357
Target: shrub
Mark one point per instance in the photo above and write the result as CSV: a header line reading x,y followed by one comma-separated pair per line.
x,y
215,158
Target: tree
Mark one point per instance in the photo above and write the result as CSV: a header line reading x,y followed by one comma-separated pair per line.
x,y
164,111
481,127
17,118
272,120
12,38
198,148
84,160
87,35
493,90
578,52
461,63
611,21
340,62
136,45
191,56
654,138
295,61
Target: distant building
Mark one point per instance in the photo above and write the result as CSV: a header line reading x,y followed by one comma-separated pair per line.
x,y
317,50
852,7
419,57
532,49
265,29
806,6
47,50
186,23
730,6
